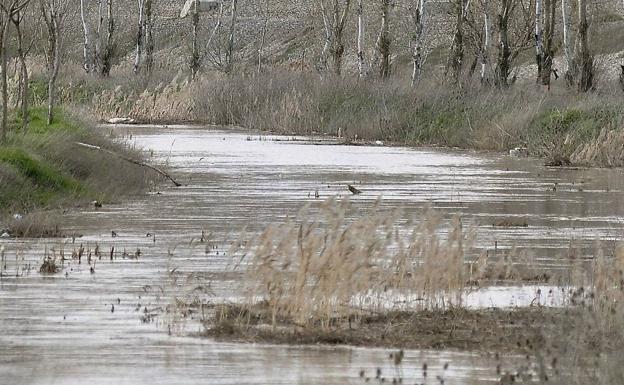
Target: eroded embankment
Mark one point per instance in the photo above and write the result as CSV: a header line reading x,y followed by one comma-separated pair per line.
x,y
43,167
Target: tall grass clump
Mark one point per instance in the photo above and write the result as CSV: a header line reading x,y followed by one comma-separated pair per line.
x,y
585,347
318,268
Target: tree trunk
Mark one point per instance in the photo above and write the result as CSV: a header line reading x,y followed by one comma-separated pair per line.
x,y
503,64
383,40
139,40
54,58
418,17
229,55
5,64
486,45
334,31
544,40
149,39
565,18
109,49
24,82
195,58
265,26
97,59
328,36
583,63
86,50
456,59
539,38
360,41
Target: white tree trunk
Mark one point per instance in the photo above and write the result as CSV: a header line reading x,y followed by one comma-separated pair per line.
x,y
328,36
383,41
229,62
486,43
539,30
86,51
360,40
566,36
139,44
5,69
97,56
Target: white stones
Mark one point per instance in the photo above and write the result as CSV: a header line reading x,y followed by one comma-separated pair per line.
x,y
120,120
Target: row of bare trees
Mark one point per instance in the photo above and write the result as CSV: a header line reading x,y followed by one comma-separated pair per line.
x,y
484,34
497,30
14,15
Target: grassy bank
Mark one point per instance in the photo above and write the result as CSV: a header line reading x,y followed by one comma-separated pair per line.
x,y
560,125
43,168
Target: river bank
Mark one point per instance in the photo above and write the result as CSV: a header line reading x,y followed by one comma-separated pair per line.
x,y
43,168
560,125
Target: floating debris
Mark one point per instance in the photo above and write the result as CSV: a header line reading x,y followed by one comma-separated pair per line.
x,y
354,190
520,152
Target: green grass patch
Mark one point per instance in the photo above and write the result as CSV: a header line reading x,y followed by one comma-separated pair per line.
x,y
38,121
42,167
39,173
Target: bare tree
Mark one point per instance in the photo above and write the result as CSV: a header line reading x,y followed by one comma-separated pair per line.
x,y
5,20
485,48
18,14
508,48
229,54
214,47
149,38
195,61
418,20
87,49
265,26
456,58
544,33
383,40
582,66
54,12
334,25
140,41
362,71
567,51
144,39
109,46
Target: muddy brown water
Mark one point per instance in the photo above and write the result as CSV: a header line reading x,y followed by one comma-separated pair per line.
x,y
63,329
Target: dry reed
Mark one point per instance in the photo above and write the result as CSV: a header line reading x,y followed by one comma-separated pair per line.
x,y
317,268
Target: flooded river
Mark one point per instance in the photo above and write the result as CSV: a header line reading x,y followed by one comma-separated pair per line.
x,y
83,327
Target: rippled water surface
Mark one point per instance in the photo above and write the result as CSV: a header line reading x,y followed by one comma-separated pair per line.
x,y
85,328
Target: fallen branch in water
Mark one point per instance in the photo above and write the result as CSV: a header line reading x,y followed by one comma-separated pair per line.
x,y
127,159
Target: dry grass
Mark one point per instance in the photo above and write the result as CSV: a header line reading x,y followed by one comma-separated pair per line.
x,y
314,269
560,125
36,225
343,277
49,266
